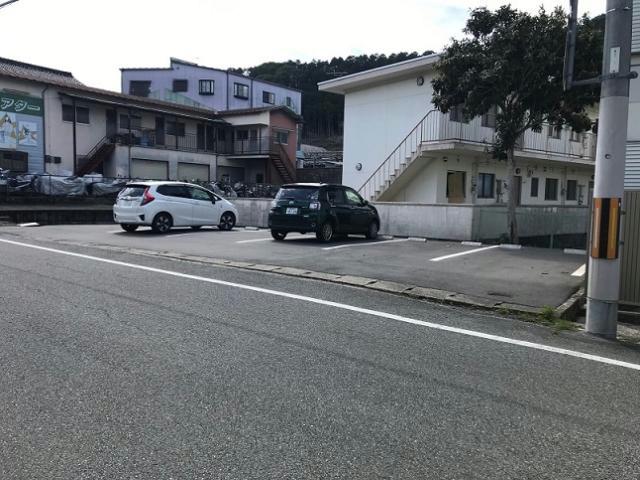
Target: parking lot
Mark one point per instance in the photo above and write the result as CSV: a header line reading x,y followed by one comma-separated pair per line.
x,y
529,276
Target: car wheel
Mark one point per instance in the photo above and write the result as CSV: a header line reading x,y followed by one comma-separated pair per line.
x,y
227,221
372,231
128,227
196,227
162,223
278,235
325,233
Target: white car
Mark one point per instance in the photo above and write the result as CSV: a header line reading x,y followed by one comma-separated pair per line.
x,y
163,205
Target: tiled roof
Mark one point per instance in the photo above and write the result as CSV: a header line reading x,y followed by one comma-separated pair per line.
x,y
13,68
245,111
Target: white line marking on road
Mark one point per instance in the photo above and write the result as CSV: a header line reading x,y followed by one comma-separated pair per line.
x,y
270,239
366,244
580,271
574,251
115,231
342,306
460,254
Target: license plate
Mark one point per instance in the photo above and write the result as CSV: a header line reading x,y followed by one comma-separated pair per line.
x,y
291,211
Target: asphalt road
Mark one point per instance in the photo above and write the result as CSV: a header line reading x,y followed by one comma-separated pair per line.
x,y
113,370
531,276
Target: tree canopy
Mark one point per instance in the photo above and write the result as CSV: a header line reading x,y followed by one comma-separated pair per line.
x,y
514,61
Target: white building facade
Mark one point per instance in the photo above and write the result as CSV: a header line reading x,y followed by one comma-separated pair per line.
x,y
398,148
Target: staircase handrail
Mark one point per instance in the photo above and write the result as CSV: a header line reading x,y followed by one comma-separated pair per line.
x,y
287,162
104,140
402,144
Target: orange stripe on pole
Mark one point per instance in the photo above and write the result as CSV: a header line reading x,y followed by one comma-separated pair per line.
x,y
595,233
612,243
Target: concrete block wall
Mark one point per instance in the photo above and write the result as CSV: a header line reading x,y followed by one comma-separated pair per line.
x,y
448,222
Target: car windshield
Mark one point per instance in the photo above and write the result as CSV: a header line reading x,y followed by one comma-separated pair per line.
x,y
308,194
132,191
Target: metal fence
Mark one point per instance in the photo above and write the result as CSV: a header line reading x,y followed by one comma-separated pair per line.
x,y
630,280
29,187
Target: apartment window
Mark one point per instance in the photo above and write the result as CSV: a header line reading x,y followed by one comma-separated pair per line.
x,y
242,134
572,190
14,160
136,121
551,189
240,90
180,85
268,97
534,187
289,102
489,118
140,88
206,87
456,114
175,128
282,137
486,182
82,114
554,131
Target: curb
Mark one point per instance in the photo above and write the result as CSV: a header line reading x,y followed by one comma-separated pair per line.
x,y
510,246
574,251
412,291
571,307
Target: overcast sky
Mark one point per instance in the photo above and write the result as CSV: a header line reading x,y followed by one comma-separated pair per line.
x,y
94,38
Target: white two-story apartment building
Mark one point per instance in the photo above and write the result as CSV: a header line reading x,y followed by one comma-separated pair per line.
x,y
399,148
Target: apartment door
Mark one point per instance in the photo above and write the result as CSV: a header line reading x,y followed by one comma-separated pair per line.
x,y
456,186
112,123
517,189
253,141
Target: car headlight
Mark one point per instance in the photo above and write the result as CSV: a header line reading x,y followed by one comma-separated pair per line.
x,y
314,206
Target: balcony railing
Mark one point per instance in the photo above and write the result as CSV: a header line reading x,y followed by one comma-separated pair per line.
x,y
440,128
194,143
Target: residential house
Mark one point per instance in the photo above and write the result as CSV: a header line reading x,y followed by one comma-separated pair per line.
x,y
51,122
399,148
196,85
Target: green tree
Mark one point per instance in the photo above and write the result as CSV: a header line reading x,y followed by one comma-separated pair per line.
x,y
513,60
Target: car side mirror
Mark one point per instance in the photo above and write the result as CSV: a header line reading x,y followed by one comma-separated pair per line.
x,y
213,200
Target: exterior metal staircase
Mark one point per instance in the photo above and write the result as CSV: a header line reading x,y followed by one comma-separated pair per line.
x,y
282,163
409,149
98,154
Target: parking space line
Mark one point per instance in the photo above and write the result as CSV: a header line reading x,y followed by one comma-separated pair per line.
x,y
269,238
580,271
460,254
365,244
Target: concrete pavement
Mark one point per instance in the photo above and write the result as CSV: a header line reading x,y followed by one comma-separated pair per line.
x,y
531,276
110,371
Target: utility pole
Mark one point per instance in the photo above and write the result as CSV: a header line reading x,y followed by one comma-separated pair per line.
x,y
604,263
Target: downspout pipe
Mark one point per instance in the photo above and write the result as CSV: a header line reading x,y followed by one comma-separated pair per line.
x,y
44,130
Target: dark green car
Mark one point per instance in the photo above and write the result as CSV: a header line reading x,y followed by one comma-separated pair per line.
x,y
324,209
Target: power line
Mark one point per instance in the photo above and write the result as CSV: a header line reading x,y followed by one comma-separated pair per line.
x,y
9,2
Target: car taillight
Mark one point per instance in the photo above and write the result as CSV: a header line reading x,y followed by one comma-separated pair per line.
x,y
314,206
147,197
